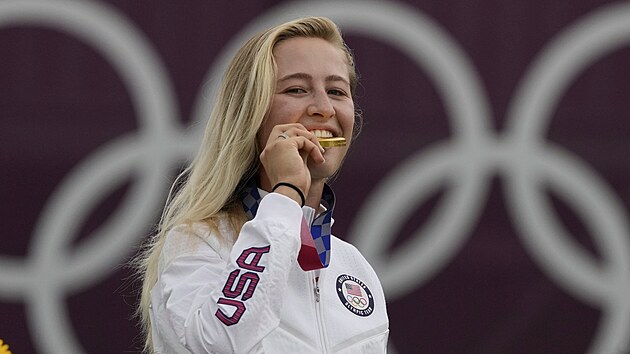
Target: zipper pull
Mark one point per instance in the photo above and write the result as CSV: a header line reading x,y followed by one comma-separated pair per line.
x,y
316,289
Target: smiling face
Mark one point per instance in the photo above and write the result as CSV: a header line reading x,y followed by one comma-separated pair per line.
x,y
313,89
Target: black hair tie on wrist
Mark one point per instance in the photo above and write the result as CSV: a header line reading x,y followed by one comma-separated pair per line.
x,y
292,187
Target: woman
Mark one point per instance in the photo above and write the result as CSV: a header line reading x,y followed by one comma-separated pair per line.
x,y
243,260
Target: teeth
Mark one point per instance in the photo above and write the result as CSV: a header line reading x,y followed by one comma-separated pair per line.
x,y
322,133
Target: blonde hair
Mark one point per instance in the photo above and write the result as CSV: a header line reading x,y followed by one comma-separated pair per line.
x,y
229,155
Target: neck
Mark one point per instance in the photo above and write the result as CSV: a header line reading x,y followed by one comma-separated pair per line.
x,y
314,197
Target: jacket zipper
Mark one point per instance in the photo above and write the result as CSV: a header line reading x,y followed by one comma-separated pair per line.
x,y
318,315
316,292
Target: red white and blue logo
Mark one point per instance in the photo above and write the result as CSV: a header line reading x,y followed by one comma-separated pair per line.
x,y
355,295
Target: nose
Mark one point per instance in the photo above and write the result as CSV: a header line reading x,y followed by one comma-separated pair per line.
x,y
321,106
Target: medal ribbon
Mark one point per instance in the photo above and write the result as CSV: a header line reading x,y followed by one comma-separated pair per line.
x,y
315,249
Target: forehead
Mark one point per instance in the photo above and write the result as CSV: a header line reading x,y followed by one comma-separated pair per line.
x,y
314,56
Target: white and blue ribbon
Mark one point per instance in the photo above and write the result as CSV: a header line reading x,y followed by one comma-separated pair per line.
x,y
320,228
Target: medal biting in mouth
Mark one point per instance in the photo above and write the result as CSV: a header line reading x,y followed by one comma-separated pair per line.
x,y
331,142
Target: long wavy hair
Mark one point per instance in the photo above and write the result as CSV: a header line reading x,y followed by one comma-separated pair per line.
x,y
211,185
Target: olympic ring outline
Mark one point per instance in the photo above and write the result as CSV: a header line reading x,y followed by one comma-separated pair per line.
x,y
436,244
356,301
464,135
117,40
571,52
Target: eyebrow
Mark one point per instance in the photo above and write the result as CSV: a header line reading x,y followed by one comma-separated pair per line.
x,y
305,76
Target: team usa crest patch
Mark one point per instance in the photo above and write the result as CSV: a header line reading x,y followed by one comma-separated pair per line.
x,y
355,295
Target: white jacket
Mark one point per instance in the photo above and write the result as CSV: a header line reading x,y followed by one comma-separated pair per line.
x,y
252,296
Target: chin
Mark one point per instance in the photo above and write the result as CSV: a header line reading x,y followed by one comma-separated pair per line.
x,y
324,171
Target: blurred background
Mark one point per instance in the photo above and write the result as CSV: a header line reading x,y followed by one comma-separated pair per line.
x,y
490,186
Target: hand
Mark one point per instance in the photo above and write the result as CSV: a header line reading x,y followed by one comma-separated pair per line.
x,y
285,157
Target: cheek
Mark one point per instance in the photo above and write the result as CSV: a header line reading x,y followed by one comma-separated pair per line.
x,y
273,118
347,120
282,111
261,139
264,133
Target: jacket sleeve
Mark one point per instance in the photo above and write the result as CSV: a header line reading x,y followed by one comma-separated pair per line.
x,y
214,306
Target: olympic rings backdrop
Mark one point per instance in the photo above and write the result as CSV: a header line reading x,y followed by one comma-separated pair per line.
x,y
490,187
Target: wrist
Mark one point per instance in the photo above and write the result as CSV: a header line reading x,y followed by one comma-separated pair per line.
x,y
291,191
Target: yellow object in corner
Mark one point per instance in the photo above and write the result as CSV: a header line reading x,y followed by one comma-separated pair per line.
x,y
4,348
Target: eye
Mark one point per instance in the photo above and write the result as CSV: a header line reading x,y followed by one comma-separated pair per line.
x,y
295,90
337,92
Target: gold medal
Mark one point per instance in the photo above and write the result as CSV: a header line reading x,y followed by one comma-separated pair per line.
x,y
330,142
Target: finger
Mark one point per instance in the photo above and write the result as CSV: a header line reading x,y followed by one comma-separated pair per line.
x,y
283,136
309,148
281,131
298,129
